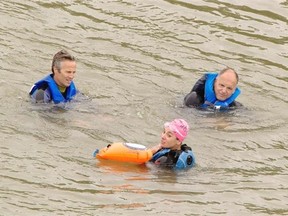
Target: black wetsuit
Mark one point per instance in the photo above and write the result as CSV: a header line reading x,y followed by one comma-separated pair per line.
x,y
169,158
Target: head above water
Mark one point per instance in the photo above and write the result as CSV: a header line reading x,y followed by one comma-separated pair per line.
x,y
225,83
60,57
63,69
179,127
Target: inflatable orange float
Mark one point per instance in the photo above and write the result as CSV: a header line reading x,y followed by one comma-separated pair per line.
x,y
125,152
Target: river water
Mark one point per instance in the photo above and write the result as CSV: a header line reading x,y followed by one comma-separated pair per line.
x,y
136,62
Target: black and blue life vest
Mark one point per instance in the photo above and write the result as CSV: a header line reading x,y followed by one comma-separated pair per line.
x,y
56,95
210,97
181,159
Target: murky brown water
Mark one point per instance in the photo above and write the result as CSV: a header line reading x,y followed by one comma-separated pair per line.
x,y
136,62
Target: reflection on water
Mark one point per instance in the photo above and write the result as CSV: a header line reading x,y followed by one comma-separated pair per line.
x,y
136,62
118,167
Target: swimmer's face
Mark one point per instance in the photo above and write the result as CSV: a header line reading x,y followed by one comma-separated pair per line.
x,y
65,75
169,140
225,85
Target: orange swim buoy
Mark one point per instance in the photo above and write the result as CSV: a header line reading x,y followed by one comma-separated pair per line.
x,y
125,152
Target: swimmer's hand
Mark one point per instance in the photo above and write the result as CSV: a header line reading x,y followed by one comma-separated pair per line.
x,y
156,148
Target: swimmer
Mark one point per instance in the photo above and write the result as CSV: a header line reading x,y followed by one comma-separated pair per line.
x,y
171,152
215,90
58,86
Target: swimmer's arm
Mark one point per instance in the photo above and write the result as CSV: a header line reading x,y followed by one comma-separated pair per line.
x,y
155,149
196,96
193,99
41,96
236,104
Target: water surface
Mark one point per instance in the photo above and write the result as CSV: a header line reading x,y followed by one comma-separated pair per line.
x,y
136,61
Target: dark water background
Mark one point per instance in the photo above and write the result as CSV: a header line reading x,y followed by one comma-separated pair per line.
x,y
136,61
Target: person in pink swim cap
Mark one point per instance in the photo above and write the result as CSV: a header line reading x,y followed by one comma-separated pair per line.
x,y
171,151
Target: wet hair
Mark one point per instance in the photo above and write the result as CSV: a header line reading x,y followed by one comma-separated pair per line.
x,y
229,69
59,57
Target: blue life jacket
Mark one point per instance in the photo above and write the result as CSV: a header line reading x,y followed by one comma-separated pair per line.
x,y
186,158
56,95
210,97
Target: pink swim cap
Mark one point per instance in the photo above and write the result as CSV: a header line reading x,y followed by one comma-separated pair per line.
x,y
179,127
